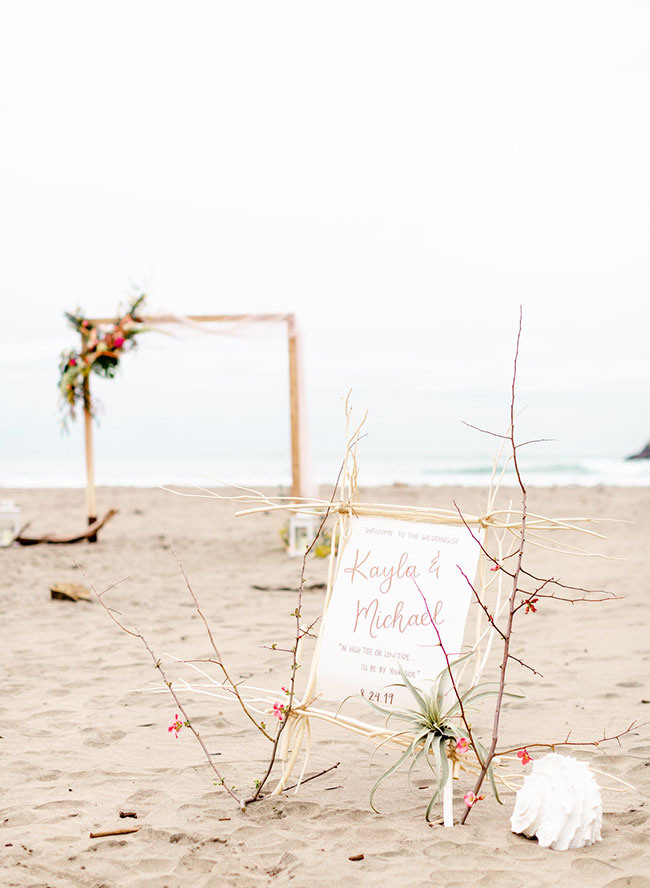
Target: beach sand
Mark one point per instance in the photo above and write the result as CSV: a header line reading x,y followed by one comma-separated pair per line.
x,y
81,743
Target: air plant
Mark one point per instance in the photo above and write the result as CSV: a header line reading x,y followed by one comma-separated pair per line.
x,y
435,727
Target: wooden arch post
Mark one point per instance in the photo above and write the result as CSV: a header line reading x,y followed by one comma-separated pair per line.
x,y
297,480
295,374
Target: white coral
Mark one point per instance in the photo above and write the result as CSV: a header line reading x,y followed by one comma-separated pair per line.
x,y
559,803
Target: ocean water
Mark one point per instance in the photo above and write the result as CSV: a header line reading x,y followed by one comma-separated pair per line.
x,y
466,470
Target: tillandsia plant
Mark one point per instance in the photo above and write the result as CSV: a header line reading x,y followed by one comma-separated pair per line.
x,y
436,729
100,353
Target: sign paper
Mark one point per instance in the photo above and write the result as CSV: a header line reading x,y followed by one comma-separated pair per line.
x,y
377,617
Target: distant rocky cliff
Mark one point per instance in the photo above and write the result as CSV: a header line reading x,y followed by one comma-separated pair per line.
x,y
644,454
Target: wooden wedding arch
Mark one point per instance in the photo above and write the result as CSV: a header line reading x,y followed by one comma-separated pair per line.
x,y
297,444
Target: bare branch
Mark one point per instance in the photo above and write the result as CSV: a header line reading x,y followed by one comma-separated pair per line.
x,y
481,604
507,437
219,661
553,746
568,588
525,665
113,585
304,780
461,707
535,441
195,600
531,576
515,583
485,431
137,634
294,650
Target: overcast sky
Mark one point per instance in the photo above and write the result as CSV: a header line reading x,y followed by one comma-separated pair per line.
x,y
402,175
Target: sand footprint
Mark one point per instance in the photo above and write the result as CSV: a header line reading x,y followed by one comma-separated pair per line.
x,y
629,882
62,804
193,865
633,817
590,867
101,739
489,879
285,864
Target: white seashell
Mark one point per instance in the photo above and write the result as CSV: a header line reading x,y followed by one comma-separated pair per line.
x,y
559,803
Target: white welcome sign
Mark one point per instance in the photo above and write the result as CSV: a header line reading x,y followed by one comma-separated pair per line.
x,y
377,618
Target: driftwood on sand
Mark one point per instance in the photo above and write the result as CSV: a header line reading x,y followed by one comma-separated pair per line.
x,y
70,592
90,531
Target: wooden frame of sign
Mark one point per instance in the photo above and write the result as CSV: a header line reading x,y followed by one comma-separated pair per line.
x,y
409,556
297,480
393,571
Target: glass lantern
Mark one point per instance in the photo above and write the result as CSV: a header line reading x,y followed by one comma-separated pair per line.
x,y
302,529
9,522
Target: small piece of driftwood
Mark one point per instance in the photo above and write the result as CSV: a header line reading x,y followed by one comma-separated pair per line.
x,y
128,814
90,531
70,592
114,832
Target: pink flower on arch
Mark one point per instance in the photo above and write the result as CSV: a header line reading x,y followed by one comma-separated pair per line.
x,y
278,711
470,799
523,756
462,745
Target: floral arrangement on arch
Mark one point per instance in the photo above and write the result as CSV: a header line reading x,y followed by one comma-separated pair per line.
x,y
100,353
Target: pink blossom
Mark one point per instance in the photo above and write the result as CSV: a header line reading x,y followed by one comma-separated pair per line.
x,y
278,711
462,745
119,341
470,799
176,726
72,362
523,755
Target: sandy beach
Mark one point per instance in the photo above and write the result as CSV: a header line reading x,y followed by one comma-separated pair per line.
x,y
83,740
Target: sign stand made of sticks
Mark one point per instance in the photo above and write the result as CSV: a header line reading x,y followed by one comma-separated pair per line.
x,y
298,472
399,587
